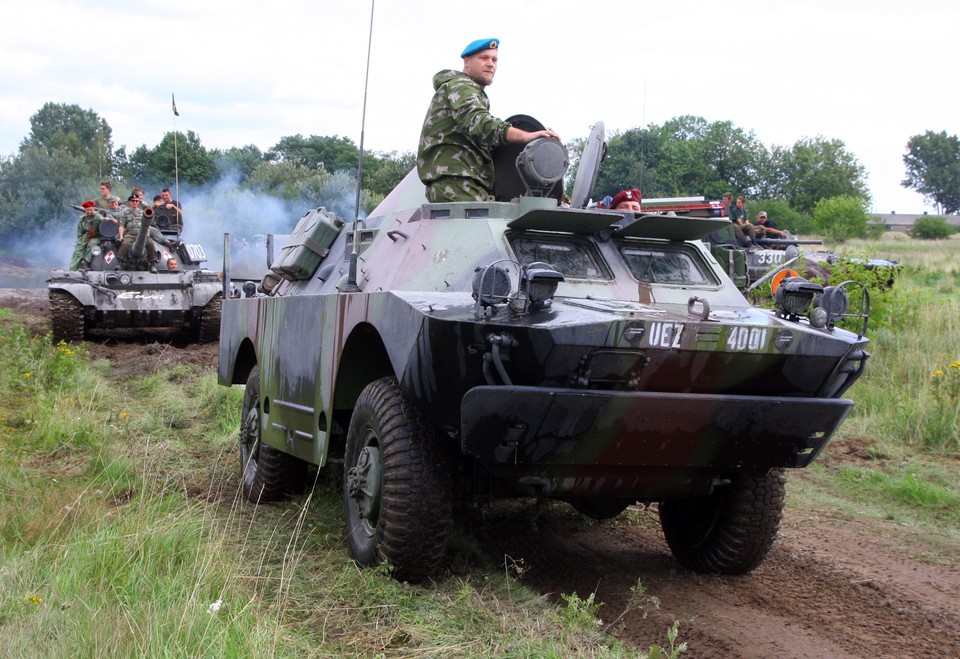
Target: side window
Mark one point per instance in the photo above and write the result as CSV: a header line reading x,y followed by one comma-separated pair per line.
x,y
666,265
574,258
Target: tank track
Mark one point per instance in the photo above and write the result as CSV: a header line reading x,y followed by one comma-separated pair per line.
x,y
66,317
208,325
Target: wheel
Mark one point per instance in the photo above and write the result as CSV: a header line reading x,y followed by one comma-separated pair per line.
x,y
266,474
208,323
729,531
66,317
396,486
601,507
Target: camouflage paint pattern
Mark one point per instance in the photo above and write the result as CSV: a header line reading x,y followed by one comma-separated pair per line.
x,y
455,158
619,387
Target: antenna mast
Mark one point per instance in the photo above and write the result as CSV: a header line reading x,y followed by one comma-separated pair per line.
x,y
351,285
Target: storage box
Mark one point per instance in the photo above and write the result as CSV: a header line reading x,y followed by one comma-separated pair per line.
x,y
308,245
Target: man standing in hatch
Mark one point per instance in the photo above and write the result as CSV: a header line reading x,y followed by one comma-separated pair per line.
x,y
455,158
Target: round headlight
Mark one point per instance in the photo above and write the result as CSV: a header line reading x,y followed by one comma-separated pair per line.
x,y
491,285
96,251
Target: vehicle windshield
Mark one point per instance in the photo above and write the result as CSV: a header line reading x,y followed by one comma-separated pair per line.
x,y
574,257
666,264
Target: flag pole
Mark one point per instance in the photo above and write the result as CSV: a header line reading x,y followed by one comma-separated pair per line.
x,y
176,163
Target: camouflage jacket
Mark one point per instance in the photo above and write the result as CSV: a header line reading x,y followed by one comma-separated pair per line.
x,y
459,132
130,221
87,226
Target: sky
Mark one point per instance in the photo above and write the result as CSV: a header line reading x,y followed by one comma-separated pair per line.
x,y
869,73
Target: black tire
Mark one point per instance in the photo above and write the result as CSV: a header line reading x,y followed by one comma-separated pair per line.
x,y
396,486
208,321
266,474
601,507
66,317
729,531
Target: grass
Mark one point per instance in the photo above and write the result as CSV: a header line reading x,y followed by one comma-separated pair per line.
x,y
907,402
122,534
121,531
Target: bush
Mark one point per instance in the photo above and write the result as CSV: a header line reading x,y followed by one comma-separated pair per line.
x,y
841,218
931,227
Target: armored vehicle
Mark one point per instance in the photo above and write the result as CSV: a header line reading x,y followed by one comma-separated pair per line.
x,y
524,348
747,265
111,293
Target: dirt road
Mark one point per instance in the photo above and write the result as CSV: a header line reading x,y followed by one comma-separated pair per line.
x,y
833,585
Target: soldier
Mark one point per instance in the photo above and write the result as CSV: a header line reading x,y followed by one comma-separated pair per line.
x,y
103,201
765,227
113,209
741,226
173,205
130,229
86,236
626,200
455,158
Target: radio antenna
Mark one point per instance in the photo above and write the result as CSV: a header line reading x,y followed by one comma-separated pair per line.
x,y
351,285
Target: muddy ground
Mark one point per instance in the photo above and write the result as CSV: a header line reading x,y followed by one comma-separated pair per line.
x,y
833,585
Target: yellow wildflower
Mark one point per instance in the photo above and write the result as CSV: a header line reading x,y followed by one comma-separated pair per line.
x,y
28,375
36,599
123,415
955,365
937,373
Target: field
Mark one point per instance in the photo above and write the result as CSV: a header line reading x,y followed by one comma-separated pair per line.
x,y
122,533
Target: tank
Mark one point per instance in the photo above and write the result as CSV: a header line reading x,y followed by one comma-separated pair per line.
x,y
112,294
524,347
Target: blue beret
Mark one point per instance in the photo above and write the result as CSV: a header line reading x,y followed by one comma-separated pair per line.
x,y
478,45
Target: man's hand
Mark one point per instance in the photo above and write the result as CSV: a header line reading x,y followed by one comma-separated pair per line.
x,y
517,136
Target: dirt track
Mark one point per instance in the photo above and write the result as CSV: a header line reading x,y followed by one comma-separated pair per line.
x,y
833,585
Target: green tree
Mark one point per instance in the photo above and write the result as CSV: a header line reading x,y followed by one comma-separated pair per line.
x,y
334,154
38,186
390,170
242,160
627,163
159,166
841,218
686,156
81,133
933,168
288,179
815,169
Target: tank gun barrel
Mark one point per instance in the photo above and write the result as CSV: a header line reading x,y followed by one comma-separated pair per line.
x,y
773,242
145,223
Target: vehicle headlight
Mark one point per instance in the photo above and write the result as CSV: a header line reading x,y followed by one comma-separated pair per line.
x,y
540,281
491,285
794,296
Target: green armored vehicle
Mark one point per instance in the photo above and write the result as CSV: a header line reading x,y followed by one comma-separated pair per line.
x,y
524,348
111,294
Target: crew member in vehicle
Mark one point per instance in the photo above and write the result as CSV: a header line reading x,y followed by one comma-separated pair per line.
x,y
87,230
741,227
765,227
103,201
172,205
455,158
626,200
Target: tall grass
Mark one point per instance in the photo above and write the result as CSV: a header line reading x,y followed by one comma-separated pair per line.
x,y
122,535
916,335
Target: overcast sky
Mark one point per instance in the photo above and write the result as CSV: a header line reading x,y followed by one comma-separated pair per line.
x,y
870,73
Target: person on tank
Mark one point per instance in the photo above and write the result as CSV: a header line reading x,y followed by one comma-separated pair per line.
x,y
455,159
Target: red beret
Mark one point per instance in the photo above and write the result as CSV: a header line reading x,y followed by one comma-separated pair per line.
x,y
625,195
88,204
